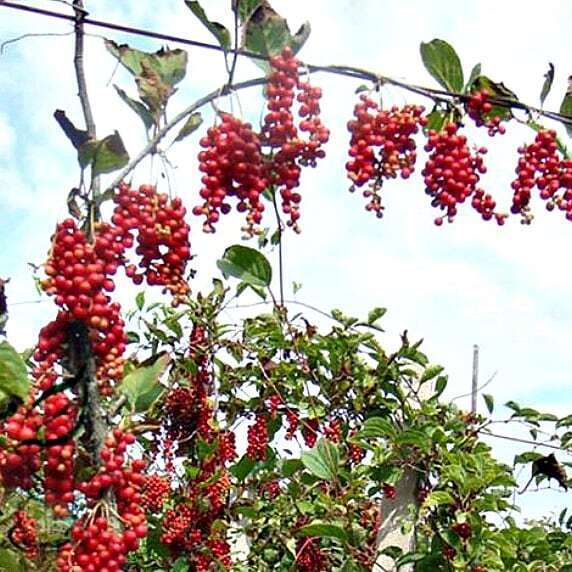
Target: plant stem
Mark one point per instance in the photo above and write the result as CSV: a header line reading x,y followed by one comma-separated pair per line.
x,y
280,252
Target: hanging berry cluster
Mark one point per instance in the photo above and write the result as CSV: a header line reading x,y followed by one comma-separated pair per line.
x,y
391,132
192,527
452,174
479,108
237,162
98,540
541,166
162,237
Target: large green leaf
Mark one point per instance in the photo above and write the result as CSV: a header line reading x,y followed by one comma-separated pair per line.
x,y
105,156
323,460
138,107
169,65
10,561
13,374
243,468
141,386
245,8
443,63
376,427
215,28
323,530
246,264
566,106
267,33
192,123
438,498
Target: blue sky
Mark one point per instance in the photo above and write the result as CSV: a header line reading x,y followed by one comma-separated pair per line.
x,y
506,289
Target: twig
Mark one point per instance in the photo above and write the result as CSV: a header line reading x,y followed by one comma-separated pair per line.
x,y
236,50
161,133
25,36
280,253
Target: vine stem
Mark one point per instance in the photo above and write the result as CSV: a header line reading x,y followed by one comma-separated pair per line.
x,y
83,95
94,421
162,133
280,252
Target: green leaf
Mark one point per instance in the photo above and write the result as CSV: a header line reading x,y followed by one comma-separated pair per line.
x,y
437,119
290,466
9,561
475,73
566,106
169,65
438,498
409,558
323,460
527,457
267,34
221,34
323,530
246,264
243,468
13,373
104,156
139,108
443,63
440,385
414,437
141,386
375,315
140,300
489,401
246,8
181,565
496,90
375,427
547,85
193,122
431,372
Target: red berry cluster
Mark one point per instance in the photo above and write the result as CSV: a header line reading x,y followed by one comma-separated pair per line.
x,y
274,402
232,159
19,462
541,166
154,492
370,520
231,163
24,533
257,439
463,530
289,151
392,133
227,446
270,489
78,275
309,556
310,428
96,543
293,420
59,421
162,237
389,491
478,107
355,452
452,174
333,431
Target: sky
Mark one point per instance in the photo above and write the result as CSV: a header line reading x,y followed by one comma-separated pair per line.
x,y
470,282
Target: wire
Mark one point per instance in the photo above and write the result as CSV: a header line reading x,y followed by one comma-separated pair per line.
x,y
526,441
346,71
